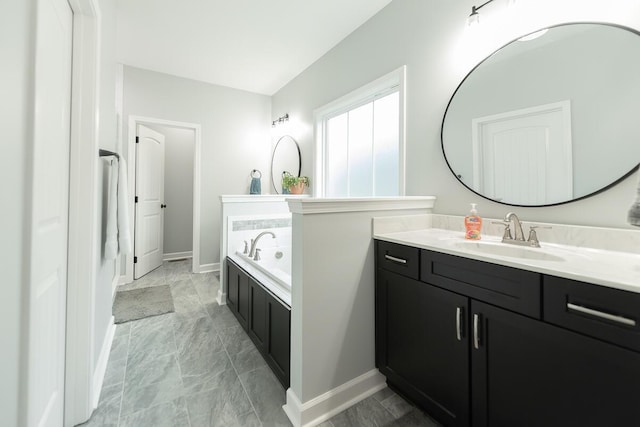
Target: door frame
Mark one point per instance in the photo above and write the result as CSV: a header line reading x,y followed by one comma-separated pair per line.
x,y
134,121
80,390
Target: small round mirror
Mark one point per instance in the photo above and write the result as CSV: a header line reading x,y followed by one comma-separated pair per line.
x,y
286,158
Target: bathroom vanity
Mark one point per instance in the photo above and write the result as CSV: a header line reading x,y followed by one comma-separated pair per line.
x,y
265,318
482,343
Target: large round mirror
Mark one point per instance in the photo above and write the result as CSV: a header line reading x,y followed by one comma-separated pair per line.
x,y
549,118
286,158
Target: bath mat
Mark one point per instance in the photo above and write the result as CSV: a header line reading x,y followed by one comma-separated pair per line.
x,y
140,303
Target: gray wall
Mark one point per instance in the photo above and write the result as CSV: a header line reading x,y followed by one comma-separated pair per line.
x,y
236,129
431,38
178,188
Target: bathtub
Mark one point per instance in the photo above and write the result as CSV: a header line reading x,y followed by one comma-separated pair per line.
x,y
273,270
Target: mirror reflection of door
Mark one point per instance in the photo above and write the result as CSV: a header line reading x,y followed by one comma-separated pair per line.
x,y
524,156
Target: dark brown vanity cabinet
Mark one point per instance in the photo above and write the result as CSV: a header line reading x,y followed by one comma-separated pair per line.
x,y
474,343
264,317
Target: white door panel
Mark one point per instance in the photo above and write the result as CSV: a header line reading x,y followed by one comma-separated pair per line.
x,y
150,193
525,156
49,239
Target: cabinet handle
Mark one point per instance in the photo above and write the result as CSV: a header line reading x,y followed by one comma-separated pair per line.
x,y
476,334
459,323
394,259
601,314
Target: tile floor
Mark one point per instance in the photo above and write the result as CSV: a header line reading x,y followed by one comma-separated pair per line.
x,y
197,367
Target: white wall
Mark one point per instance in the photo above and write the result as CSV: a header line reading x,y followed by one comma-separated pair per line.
x,y
178,188
430,38
17,46
235,136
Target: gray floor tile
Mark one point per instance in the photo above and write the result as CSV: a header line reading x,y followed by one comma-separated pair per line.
x,y
108,410
201,371
397,406
266,395
119,347
367,413
383,394
206,287
197,336
247,360
122,329
326,424
235,339
159,369
221,315
153,278
115,372
185,297
136,398
168,414
217,406
415,418
153,343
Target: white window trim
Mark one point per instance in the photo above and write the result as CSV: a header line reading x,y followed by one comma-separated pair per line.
x,y
377,88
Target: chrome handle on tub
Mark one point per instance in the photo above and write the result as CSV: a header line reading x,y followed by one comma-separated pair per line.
x,y
394,259
601,314
459,323
476,332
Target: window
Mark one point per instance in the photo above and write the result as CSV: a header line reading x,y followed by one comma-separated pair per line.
x,y
360,143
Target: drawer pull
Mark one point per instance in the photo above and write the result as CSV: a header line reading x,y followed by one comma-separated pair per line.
x,y
476,332
394,259
459,323
601,314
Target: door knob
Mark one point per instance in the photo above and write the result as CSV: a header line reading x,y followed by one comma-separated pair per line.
x,y
163,206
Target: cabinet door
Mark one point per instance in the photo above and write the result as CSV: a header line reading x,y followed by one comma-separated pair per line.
x,y
238,293
422,345
258,315
233,279
279,339
529,373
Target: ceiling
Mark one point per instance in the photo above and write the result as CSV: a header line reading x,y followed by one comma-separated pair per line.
x,y
254,45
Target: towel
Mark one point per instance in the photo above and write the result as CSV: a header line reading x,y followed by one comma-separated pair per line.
x,y
118,238
255,187
634,212
111,243
124,231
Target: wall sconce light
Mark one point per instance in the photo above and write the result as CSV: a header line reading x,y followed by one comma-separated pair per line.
x,y
284,118
474,18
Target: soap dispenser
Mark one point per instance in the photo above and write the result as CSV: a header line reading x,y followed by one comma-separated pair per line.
x,y
472,224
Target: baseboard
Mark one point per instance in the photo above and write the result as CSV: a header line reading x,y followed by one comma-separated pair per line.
x,y
209,268
325,406
177,255
222,298
101,366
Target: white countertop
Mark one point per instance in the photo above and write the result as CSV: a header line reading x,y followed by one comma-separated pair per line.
x,y
619,270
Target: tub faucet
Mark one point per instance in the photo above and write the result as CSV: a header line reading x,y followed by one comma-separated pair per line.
x,y
254,242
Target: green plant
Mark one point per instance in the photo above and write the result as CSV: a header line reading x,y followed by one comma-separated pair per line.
x,y
289,180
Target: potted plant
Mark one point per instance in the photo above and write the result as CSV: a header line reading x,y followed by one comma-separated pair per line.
x,y
294,184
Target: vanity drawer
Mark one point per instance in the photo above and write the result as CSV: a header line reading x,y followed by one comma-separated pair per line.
x,y
511,288
400,259
609,314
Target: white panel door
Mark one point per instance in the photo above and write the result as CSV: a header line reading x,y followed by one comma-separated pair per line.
x,y
150,201
525,156
50,213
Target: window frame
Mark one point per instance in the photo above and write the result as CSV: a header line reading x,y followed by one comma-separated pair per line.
x,y
385,85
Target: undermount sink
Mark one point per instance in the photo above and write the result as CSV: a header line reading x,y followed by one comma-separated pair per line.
x,y
504,249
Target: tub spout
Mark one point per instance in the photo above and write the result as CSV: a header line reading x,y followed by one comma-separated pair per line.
x,y
254,242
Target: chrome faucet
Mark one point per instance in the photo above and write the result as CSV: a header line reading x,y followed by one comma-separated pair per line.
x,y
532,241
517,226
254,242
